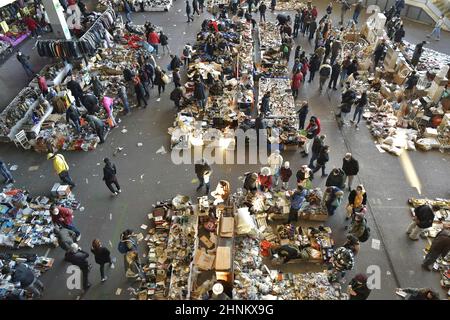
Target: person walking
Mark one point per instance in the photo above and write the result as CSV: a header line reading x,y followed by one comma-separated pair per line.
x,y
336,178
312,130
379,52
399,5
262,12
324,72
176,77
127,10
350,166
322,160
297,79
422,220
6,173
25,277
357,288
98,126
64,217
317,144
332,198
188,12
195,7
164,39
437,29
154,40
175,62
187,54
314,65
61,167
344,8
361,103
140,92
203,172
335,72
159,81
440,247
79,258
399,34
358,8
102,256
109,176
24,61
273,4
275,161
73,116
285,174
302,114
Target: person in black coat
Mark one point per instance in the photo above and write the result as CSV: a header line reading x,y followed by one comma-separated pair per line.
x,y
322,161
314,65
159,73
352,68
336,178
357,289
73,114
97,87
98,125
175,62
109,176
140,91
418,50
188,12
422,220
265,103
302,114
379,52
399,34
25,276
79,258
350,166
102,257
128,74
203,172
76,90
176,95
176,77
199,93
317,145
312,29
90,102
335,72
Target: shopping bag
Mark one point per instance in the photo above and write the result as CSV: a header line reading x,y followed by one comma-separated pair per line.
x,y
166,79
110,122
349,210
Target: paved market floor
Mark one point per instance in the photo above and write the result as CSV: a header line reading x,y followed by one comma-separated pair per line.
x,y
147,177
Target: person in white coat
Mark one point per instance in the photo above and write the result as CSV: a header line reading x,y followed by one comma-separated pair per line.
x,y
275,161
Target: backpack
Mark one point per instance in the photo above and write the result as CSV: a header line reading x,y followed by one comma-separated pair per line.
x,y
122,247
185,52
365,236
325,72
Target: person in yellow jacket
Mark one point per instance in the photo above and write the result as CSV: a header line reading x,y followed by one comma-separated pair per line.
x,y
61,167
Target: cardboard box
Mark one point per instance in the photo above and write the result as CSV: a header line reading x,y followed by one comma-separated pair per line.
x,y
318,217
203,260
54,191
223,258
430,133
227,227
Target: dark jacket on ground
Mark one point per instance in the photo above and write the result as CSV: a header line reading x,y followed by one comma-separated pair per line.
x,y
350,167
424,216
102,255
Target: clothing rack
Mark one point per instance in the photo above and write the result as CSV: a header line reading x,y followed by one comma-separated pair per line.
x,y
99,20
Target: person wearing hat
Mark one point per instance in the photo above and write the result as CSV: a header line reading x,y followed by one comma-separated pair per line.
x,y
109,176
275,161
61,167
79,258
26,278
358,225
439,248
218,292
251,182
350,166
357,288
64,217
336,178
265,179
285,173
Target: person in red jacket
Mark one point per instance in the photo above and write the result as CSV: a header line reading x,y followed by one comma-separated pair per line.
x,y
297,79
265,179
153,39
33,26
314,12
64,217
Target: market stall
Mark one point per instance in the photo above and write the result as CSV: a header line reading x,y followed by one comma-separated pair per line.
x,y
137,5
